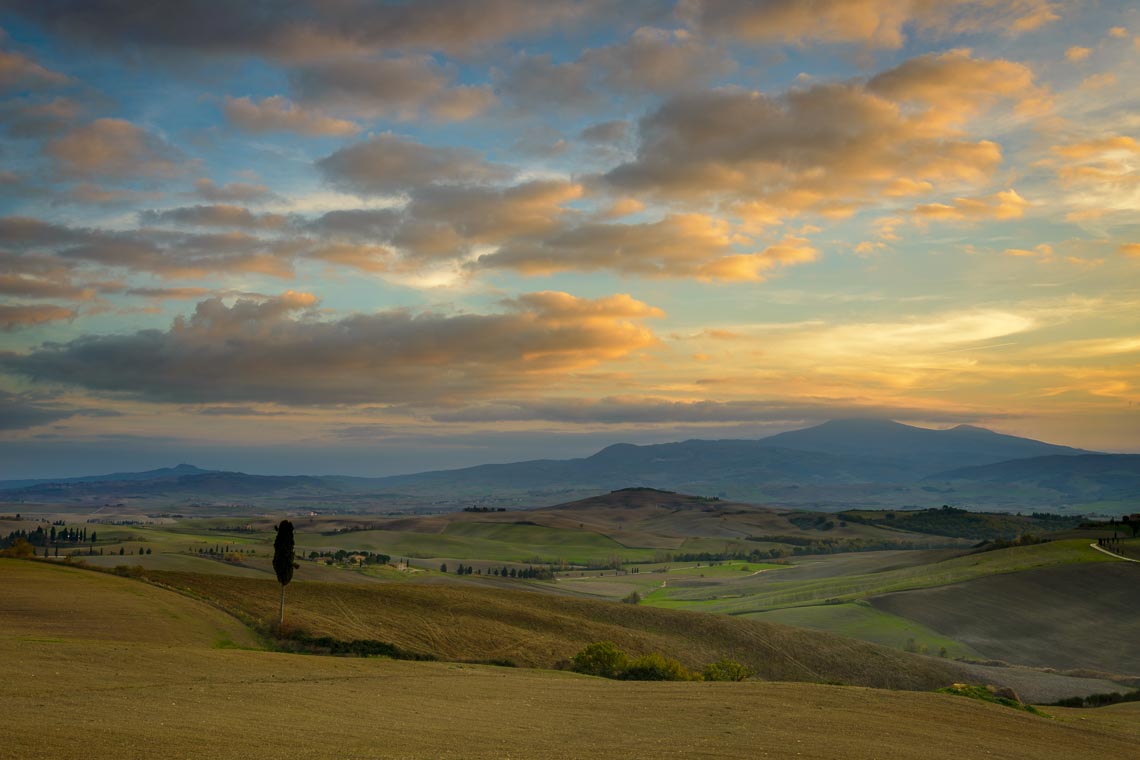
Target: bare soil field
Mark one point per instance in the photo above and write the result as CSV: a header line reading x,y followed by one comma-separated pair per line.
x,y
153,682
1075,616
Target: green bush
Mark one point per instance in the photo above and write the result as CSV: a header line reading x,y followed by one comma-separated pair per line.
x,y
602,658
986,694
655,667
725,669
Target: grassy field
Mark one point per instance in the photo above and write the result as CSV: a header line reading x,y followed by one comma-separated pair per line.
x,y
158,682
773,591
1075,616
468,540
860,620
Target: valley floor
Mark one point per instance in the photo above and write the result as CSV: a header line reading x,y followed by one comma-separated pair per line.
x,y
101,666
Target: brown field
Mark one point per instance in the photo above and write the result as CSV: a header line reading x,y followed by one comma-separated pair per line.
x,y
135,672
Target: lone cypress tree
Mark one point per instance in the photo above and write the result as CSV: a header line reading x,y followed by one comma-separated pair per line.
x,y
283,563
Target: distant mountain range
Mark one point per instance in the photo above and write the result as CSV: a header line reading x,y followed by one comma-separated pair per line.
x,y
838,464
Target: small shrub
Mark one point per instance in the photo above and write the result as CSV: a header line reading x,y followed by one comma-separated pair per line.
x,y
725,669
656,667
632,598
602,658
988,694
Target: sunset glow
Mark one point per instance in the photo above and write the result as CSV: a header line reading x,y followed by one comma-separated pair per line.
x,y
372,238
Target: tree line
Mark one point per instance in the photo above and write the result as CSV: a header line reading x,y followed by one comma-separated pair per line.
x,y
52,537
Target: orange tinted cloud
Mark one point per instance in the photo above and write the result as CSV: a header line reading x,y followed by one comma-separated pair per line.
x,y
276,113
874,23
1002,205
114,148
18,72
279,350
19,316
955,85
832,148
402,87
387,163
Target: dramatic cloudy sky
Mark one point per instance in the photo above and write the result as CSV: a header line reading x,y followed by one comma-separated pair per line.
x,y
366,237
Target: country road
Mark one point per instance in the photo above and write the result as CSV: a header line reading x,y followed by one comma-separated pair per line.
x,y
1113,554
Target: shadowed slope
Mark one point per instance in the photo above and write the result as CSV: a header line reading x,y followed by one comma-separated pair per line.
x,y
1077,616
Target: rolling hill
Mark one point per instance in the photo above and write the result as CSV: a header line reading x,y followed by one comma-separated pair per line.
x,y
1095,477
834,466
1073,616
145,687
914,452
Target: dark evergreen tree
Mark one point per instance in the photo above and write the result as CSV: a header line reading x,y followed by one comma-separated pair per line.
x,y
283,563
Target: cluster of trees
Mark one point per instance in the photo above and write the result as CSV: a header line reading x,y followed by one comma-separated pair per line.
x,y
802,545
961,523
603,658
217,550
530,572
1132,522
484,509
51,537
341,556
1027,539
526,573
1099,700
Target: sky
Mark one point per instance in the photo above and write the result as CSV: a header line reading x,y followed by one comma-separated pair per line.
x,y
373,238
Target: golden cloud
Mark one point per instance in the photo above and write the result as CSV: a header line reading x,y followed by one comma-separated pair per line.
x,y
874,23
1002,205
679,245
281,350
114,148
387,164
955,86
402,87
829,148
278,114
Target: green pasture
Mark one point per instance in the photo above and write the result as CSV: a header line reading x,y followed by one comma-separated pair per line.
x,y
496,542
771,593
860,620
